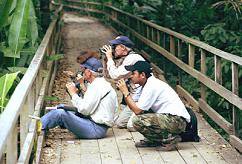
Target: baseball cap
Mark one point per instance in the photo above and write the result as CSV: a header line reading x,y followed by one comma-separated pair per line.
x,y
140,66
93,64
122,40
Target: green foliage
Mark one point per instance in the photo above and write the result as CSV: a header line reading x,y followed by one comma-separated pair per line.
x,y
18,27
18,39
32,25
55,57
51,98
6,82
5,8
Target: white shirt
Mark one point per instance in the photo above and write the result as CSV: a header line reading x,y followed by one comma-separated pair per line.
x,y
161,98
100,110
116,72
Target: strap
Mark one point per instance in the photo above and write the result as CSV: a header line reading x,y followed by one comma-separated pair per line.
x,y
105,95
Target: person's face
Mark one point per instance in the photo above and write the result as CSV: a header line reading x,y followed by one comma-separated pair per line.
x,y
136,77
87,74
120,50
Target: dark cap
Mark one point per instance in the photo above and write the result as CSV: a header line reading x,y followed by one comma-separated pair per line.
x,y
122,40
92,64
140,66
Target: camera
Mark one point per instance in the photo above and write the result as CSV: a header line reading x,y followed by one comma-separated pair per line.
x,y
75,79
102,50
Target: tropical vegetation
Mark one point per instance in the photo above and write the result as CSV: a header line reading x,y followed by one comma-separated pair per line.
x,y
19,39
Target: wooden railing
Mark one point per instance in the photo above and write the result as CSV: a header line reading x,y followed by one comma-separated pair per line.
x,y
172,46
28,99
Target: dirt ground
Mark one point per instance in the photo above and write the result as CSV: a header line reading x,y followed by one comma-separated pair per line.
x,y
78,34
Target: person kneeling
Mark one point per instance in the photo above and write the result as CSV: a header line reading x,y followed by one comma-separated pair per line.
x,y
95,110
168,117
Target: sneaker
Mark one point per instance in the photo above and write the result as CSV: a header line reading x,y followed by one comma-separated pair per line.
x,y
147,143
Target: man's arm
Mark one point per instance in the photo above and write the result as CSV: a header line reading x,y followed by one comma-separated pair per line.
x,y
130,102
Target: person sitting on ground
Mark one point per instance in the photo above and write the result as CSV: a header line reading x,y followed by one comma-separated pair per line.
x,y
168,117
95,110
122,56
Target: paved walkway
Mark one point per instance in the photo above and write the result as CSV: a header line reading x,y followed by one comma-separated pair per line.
x,y
81,33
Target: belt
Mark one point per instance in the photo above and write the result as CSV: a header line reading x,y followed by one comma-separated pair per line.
x,y
103,125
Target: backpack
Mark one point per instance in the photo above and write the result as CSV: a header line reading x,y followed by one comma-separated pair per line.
x,y
191,133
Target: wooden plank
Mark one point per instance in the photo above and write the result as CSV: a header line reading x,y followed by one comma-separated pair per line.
x,y
217,69
148,155
218,143
172,45
216,117
71,152
27,148
191,55
219,89
171,157
24,123
90,153
125,143
40,144
236,142
179,49
193,102
208,152
152,34
189,153
235,90
158,37
108,149
218,52
12,146
203,70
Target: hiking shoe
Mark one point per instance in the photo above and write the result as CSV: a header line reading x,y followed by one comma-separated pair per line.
x,y
171,143
147,143
167,147
172,139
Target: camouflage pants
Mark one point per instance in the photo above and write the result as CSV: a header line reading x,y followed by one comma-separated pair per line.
x,y
157,127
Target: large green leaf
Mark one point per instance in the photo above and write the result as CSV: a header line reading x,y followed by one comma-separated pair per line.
x,y
7,52
20,69
32,25
18,27
6,82
5,7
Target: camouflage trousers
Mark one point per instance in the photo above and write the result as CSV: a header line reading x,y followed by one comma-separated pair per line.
x,y
158,127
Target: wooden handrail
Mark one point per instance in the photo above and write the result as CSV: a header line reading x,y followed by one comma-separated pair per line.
x,y
25,100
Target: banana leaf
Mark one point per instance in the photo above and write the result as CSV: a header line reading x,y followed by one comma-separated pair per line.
x,y
18,27
20,69
32,25
5,7
6,82
7,52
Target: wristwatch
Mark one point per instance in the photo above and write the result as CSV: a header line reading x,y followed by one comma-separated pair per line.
x,y
126,95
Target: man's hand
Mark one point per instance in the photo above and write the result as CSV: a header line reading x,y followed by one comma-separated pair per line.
x,y
71,88
122,87
107,49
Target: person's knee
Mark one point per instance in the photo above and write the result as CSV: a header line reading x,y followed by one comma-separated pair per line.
x,y
121,123
61,113
136,122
